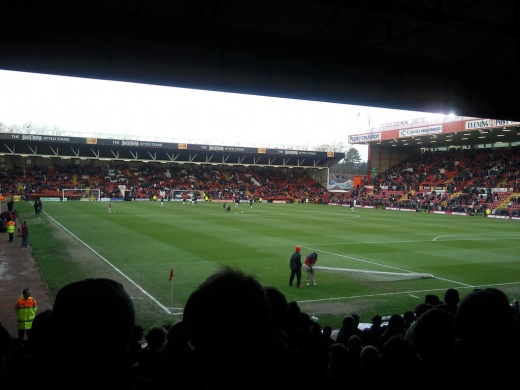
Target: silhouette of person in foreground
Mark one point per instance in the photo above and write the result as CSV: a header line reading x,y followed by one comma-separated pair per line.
x,y
176,359
229,321
484,353
91,330
451,300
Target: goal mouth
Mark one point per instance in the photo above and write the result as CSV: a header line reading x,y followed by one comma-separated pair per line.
x,y
379,276
84,194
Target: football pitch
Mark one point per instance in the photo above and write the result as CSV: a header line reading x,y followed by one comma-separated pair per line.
x,y
370,261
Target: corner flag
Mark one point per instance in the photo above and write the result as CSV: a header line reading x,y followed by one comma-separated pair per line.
x,y
171,289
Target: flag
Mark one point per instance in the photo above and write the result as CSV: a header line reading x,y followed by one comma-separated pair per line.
x,y
171,289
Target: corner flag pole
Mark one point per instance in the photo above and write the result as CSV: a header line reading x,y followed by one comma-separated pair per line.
x,y
171,289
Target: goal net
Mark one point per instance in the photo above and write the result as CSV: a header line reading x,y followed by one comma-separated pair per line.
x,y
184,194
85,194
378,276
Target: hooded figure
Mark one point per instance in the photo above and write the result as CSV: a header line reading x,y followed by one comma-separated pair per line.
x,y
310,261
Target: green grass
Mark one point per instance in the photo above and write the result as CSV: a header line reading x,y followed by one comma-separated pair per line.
x,y
144,241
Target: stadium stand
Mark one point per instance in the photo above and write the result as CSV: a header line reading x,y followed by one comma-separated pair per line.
x,y
467,181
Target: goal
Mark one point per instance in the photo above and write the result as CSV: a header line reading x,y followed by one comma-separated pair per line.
x,y
85,194
178,195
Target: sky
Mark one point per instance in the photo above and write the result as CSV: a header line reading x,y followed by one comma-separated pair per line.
x,y
92,107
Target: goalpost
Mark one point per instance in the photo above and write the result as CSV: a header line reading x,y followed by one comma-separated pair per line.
x,y
177,195
85,194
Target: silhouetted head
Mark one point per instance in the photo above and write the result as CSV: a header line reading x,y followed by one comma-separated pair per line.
x,y
433,335
228,308
348,322
484,312
370,356
432,299
93,314
451,296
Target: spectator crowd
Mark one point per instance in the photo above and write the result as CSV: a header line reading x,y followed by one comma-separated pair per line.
x,y
469,181
236,334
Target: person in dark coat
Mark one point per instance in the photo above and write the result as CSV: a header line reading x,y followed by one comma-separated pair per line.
x,y
37,207
296,267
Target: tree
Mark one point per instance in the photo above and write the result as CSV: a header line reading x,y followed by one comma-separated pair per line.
x,y
352,155
351,164
332,147
351,158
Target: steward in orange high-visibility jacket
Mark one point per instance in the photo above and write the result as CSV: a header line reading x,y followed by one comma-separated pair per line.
x,y
25,308
10,225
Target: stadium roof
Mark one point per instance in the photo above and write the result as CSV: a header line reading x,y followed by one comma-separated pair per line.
x,y
445,132
430,55
125,150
